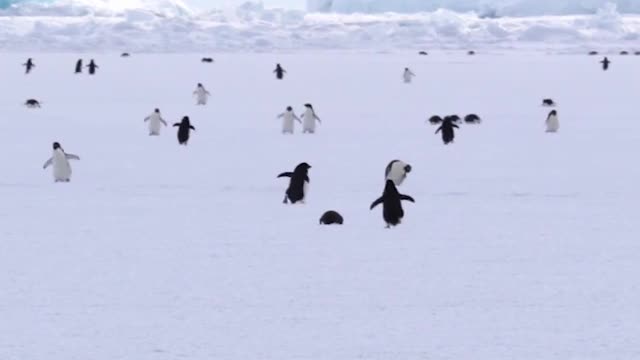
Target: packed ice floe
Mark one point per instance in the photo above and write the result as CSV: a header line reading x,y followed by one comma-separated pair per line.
x,y
171,26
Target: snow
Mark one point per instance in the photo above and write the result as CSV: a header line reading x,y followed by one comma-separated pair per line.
x,y
521,244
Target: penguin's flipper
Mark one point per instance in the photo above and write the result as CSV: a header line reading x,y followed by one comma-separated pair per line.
x,y
47,163
72,157
306,178
163,122
376,203
192,128
407,198
176,124
286,174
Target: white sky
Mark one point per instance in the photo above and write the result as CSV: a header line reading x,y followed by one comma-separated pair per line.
x,y
205,4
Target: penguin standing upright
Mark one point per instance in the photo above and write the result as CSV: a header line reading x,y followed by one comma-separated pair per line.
x,y
60,162
297,190
552,122
79,66
279,72
201,94
184,129
391,201
155,120
309,119
92,67
397,171
29,65
408,75
287,120
447,130
605,63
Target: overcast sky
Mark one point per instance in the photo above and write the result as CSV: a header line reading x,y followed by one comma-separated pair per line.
x,y
205,4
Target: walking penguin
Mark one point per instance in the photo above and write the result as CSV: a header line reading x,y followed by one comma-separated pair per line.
x,y
391,201
447,130
29,65
92,67
184,130
298,184
60,162
408,75
552,122
155,120
605,63
202,95
279,72
287,120
79,66
309,119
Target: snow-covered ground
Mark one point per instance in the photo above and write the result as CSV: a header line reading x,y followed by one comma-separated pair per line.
x,y
521,244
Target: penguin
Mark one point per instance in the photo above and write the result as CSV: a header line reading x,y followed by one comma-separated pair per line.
x,y
279,71
287,120
397,171
435,120
391,201
79,66
32,103
605,63
552,122
155,120
184,129
201,94
447,130
298,184
29,65
472,119
60,162
309,119
593,52
623,52
548,102
92,67
471,52
423,53
455,118
408,75
207,60
126,54
331,218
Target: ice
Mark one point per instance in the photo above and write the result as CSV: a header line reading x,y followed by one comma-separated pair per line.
x,y
521,244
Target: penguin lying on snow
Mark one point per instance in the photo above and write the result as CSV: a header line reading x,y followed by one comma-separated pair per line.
x,y
298,184
397,171
207,60
624,52
60,162
548,102
472,119
454,118
125,55
331,217
435,120
184,130
391,201
423,53
32,103
552,122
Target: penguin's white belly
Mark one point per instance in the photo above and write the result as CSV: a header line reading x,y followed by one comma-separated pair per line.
x,y
202,99
154,126
61,169
287,124
553,124
309,121
407,78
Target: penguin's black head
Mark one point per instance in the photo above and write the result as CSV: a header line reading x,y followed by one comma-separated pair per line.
x,y
303,167
407,168
185,120
289,108
553,112
56,146
199,85
157,110
390,188
308,106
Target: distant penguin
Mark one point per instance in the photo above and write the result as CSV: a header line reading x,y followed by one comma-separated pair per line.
x,y
472,119
309,119
202,95
407,75
29,65
446,127
623,52
125,54
155,120
60,162
552,122
592,53
391,201
297,190
184,130
423,53
548,102
279,71
207,60
471,52
79,66
605,63
435,120
287,120
92,67
331,218
32,103
397,171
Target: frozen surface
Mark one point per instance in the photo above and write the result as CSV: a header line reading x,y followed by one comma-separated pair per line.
x,y
170,26
521,245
